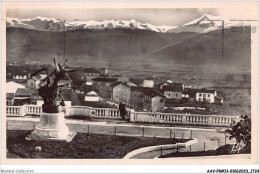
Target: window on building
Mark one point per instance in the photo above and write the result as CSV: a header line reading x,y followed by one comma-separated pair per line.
x,y
107,84
169,94
208,95
176,95
161,100
200,95
204,95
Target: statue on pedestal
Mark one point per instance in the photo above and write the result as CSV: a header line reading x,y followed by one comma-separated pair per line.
x,y
50,91
52,123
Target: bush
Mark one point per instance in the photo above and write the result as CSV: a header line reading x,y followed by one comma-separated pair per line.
x,y
241,131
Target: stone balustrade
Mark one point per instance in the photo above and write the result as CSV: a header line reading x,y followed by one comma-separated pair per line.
x,y
190,119
33,109
15,111
96,112
145,117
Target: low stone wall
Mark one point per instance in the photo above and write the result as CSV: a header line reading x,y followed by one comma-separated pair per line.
x,y
159,148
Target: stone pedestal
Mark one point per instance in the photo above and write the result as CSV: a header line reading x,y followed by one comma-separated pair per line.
x,y
51,127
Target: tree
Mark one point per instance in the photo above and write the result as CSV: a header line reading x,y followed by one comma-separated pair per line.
x,y
78,78
241,131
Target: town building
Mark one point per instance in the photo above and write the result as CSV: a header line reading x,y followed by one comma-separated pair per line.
x,y
121,92
91,73
148,83
22,96
34,83
11,88
219,99
91,98
20,76
189,95
172,90
103,84
67,96
205,95
154,101
103,81
137,97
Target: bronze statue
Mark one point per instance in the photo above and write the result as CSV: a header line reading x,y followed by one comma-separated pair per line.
x,y
50,91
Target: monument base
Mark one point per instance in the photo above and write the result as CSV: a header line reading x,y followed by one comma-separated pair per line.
x,y
51,127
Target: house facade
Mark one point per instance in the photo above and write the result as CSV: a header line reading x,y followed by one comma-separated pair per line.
x,y
154,101
91,73
19,76
11,88
205,95
172,90
33,83
137,97
103,84
121,92
173,94
148,83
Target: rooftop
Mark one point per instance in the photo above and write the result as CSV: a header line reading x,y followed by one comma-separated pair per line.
x,y
177,87
152,93
129,84
91,70
104,79
23,92
203,90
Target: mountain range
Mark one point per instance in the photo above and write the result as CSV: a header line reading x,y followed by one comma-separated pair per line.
x,y
197,42
203,24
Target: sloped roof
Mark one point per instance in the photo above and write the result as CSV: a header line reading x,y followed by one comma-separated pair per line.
x,y
92,93
104,79
177,87
203,90
91,70
152,93
128,84
192,92
11,87
22,92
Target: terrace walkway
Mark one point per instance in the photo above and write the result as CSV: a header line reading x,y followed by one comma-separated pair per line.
x,y
213,137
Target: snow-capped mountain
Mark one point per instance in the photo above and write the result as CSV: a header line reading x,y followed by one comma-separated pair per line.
x,y
207,23
42,23
37,23
203,24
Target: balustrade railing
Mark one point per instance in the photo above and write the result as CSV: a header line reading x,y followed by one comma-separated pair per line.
x,y
146,117
15,111
33,109
191,119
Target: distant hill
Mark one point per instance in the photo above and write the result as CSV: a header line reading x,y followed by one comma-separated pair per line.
x,y
206,48
128,46
105,45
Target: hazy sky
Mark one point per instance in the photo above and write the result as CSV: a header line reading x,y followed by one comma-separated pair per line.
x,y
173,17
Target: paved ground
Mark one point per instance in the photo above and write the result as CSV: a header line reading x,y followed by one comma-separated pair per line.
x,y
213,137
